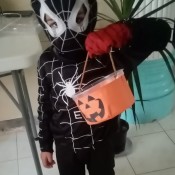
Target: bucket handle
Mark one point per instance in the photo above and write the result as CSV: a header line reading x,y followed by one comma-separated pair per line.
x,y
85,65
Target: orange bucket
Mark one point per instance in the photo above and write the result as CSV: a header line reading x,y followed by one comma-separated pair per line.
x,y
106,99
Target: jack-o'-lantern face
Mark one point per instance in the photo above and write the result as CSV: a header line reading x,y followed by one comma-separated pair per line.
x,y
93,108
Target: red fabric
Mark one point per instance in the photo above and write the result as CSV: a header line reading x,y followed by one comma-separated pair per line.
x,y
115,35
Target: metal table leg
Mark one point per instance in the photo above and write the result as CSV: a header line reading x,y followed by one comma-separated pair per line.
x,y
27,100
20,90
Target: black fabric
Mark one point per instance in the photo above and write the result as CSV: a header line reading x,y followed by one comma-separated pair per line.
x,y
173,42
149,34
58,114
99,161
70,42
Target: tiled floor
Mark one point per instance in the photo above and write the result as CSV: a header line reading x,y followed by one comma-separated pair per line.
x,y
150,150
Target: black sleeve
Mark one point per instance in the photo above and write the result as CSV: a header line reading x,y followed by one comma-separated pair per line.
x,y
44,110
148,35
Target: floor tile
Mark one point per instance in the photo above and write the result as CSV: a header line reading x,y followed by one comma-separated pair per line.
x,y
25,157
148,128
52,171
9,168
151,153
168,123
8,149
122,166
128,148
163,172
171,134
23,145
27,167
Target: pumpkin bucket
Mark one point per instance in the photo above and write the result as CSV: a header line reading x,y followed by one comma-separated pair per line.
x,y
109,97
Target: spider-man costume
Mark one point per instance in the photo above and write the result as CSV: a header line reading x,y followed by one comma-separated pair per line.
x,y
67,24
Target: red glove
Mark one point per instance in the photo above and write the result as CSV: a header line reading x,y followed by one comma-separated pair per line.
x,y
115,35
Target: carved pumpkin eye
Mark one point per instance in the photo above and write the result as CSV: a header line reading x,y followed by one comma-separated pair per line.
x,y
87,106
94,108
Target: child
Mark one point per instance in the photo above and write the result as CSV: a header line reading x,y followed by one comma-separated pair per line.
x,y
67,23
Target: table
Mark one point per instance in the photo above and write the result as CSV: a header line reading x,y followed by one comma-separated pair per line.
x,y
20,49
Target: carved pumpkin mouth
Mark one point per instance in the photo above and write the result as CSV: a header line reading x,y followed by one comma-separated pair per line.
x,y
94,108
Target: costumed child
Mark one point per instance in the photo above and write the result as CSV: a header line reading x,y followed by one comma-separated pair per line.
x,y
67,24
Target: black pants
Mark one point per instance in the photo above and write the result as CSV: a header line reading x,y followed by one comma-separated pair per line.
x,y
99,161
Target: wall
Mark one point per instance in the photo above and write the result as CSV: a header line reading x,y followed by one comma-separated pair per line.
x,y
7,109
15,4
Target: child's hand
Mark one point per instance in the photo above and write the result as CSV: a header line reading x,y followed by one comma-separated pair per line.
x,y
47,159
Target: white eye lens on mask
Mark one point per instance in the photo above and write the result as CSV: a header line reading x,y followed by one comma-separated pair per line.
x,y
59,26
73,21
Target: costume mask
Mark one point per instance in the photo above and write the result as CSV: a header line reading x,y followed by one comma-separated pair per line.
x,y
66,22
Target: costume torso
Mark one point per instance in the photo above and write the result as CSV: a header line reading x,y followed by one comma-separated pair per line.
x,y
63,76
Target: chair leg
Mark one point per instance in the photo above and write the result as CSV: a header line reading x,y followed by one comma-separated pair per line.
x,y
20,90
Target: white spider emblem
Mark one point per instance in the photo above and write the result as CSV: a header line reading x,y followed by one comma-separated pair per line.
x,y
69,86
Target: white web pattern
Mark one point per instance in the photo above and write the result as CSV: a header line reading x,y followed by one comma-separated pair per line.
x,y
58,82
66,17
65,14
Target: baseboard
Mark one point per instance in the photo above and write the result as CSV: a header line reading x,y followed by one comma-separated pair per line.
x,y
13,123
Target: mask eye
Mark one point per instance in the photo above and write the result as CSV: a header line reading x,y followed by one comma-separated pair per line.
x,y
50,21
54,25
79,18
81,14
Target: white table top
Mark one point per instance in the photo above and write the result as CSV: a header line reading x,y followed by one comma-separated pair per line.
x,y
20,47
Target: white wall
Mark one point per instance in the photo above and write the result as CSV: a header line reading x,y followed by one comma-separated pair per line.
x,y
15,4
7,109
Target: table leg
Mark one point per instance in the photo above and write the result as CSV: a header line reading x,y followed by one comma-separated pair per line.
x,y
28,104
20,90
